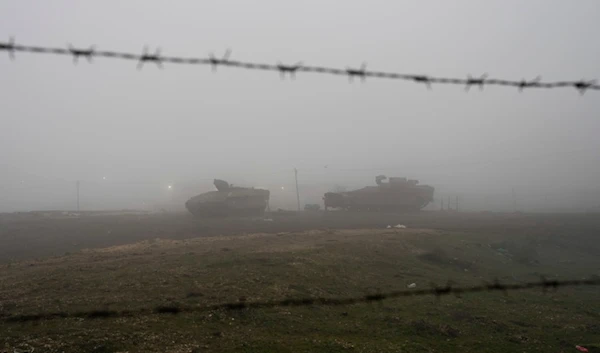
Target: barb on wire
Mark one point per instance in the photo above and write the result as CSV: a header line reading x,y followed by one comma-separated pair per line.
x,y
422,79
362,72
475,81
87,53
497,286
289,69
150,57
446,290
11,48
214,62
438,292
524,84
583,85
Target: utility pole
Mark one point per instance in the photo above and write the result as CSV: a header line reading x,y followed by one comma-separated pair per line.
x,y
77,195
514,199
297,191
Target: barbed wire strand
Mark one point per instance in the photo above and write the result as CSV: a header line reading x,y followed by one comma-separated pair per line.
x,y
290,70
311,301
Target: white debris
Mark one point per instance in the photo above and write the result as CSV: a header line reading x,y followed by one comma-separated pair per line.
x,y
27,350
412,285
388,227
400,226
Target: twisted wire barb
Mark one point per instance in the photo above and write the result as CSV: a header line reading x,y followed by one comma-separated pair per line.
x,y
216,62
86,53
362,73
289,69
438,292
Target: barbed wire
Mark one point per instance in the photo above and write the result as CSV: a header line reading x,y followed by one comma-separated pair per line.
x,y
290,70
242,304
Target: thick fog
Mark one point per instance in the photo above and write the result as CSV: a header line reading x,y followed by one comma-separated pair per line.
x,y
127,134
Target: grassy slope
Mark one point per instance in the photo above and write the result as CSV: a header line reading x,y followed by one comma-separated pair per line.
x,y
316,263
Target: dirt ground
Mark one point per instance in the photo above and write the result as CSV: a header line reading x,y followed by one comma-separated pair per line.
x,y
144,262
36,236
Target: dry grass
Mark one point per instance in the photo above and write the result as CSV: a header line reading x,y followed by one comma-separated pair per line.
x,y
160,273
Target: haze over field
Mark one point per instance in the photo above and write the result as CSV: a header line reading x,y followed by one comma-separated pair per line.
x,y
128,134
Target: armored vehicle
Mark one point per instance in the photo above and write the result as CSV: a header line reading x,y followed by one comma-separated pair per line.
x,y
229,200
397,194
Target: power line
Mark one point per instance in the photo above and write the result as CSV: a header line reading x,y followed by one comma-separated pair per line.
x,y
309,301
289,70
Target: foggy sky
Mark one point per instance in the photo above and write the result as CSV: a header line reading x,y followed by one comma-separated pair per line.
x,y
144,130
